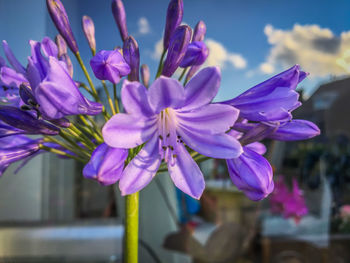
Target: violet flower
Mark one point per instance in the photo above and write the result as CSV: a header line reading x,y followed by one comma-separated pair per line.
x,y
252,174
15,148
49,47
145,75
61,45
272,100
89,31
132,57
16,65
173,20
177,49
199,31
60,18
164,117
109,65
196,54
106,164
120,18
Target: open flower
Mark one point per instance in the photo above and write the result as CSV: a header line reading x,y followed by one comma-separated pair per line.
x,y
164,118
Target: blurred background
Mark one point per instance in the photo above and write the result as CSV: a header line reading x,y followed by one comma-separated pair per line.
x,y
50,213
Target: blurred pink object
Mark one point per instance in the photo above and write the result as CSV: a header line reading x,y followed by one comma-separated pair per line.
x,y
345,211
291,204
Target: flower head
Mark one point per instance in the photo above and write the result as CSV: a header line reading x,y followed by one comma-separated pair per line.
x,y
120,18
132,57
164,118
197,52
89,31
109,65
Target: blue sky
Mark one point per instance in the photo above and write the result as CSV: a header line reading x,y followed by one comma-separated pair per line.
x,y
255,39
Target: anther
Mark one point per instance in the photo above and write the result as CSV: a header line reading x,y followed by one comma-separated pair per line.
x,y
161,137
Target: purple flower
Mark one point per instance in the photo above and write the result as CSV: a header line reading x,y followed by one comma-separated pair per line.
x,y
89,31
25,121
252,174
49,47
164,117
120,18
106,164
16,65
272,100
58,95
132,57
197,52
59,17
145,75
199,31
11,78
177,49
173,20
15,148
109,65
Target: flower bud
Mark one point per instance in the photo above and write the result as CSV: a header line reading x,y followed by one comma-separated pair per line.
x,y
177,49
145,75
109,65
196,54
132,57
252,174
49,47
61,44
69,64
199,31
106,164
173,20
120,18
89,31
59,17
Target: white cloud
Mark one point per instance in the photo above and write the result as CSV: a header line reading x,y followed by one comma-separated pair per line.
x,y
220,56
144,27
318,50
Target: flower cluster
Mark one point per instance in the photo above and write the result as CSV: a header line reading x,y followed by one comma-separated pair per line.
x,y
164,125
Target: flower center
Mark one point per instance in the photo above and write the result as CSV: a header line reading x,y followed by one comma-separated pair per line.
x,y
167,135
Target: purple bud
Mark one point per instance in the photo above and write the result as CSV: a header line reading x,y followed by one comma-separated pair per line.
x,y
295,130
106,164
69,64
62,45
197,52
199,31
177,49
252,174
132,57
145,75
59,17
109,65
25,121
26,95
12,59
173,20
89,31
120,18
49,47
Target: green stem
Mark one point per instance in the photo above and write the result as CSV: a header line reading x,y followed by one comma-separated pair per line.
x,y
81,136
81,63
97,129
160,65
183,74
110,102
131,228
116,103
62,153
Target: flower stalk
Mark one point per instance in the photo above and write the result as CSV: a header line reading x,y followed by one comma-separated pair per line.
x,y
131,228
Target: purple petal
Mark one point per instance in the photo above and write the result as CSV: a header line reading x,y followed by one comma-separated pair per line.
x,y
132,57
145,74
252,174
295,130
213,118
165,92
257,147
11,78
38,60
133,96
221,146
258,133
12,59
141,170
49,47
106,164
120,18
196,54
199,31
128,131
202,88
173,20
186,174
